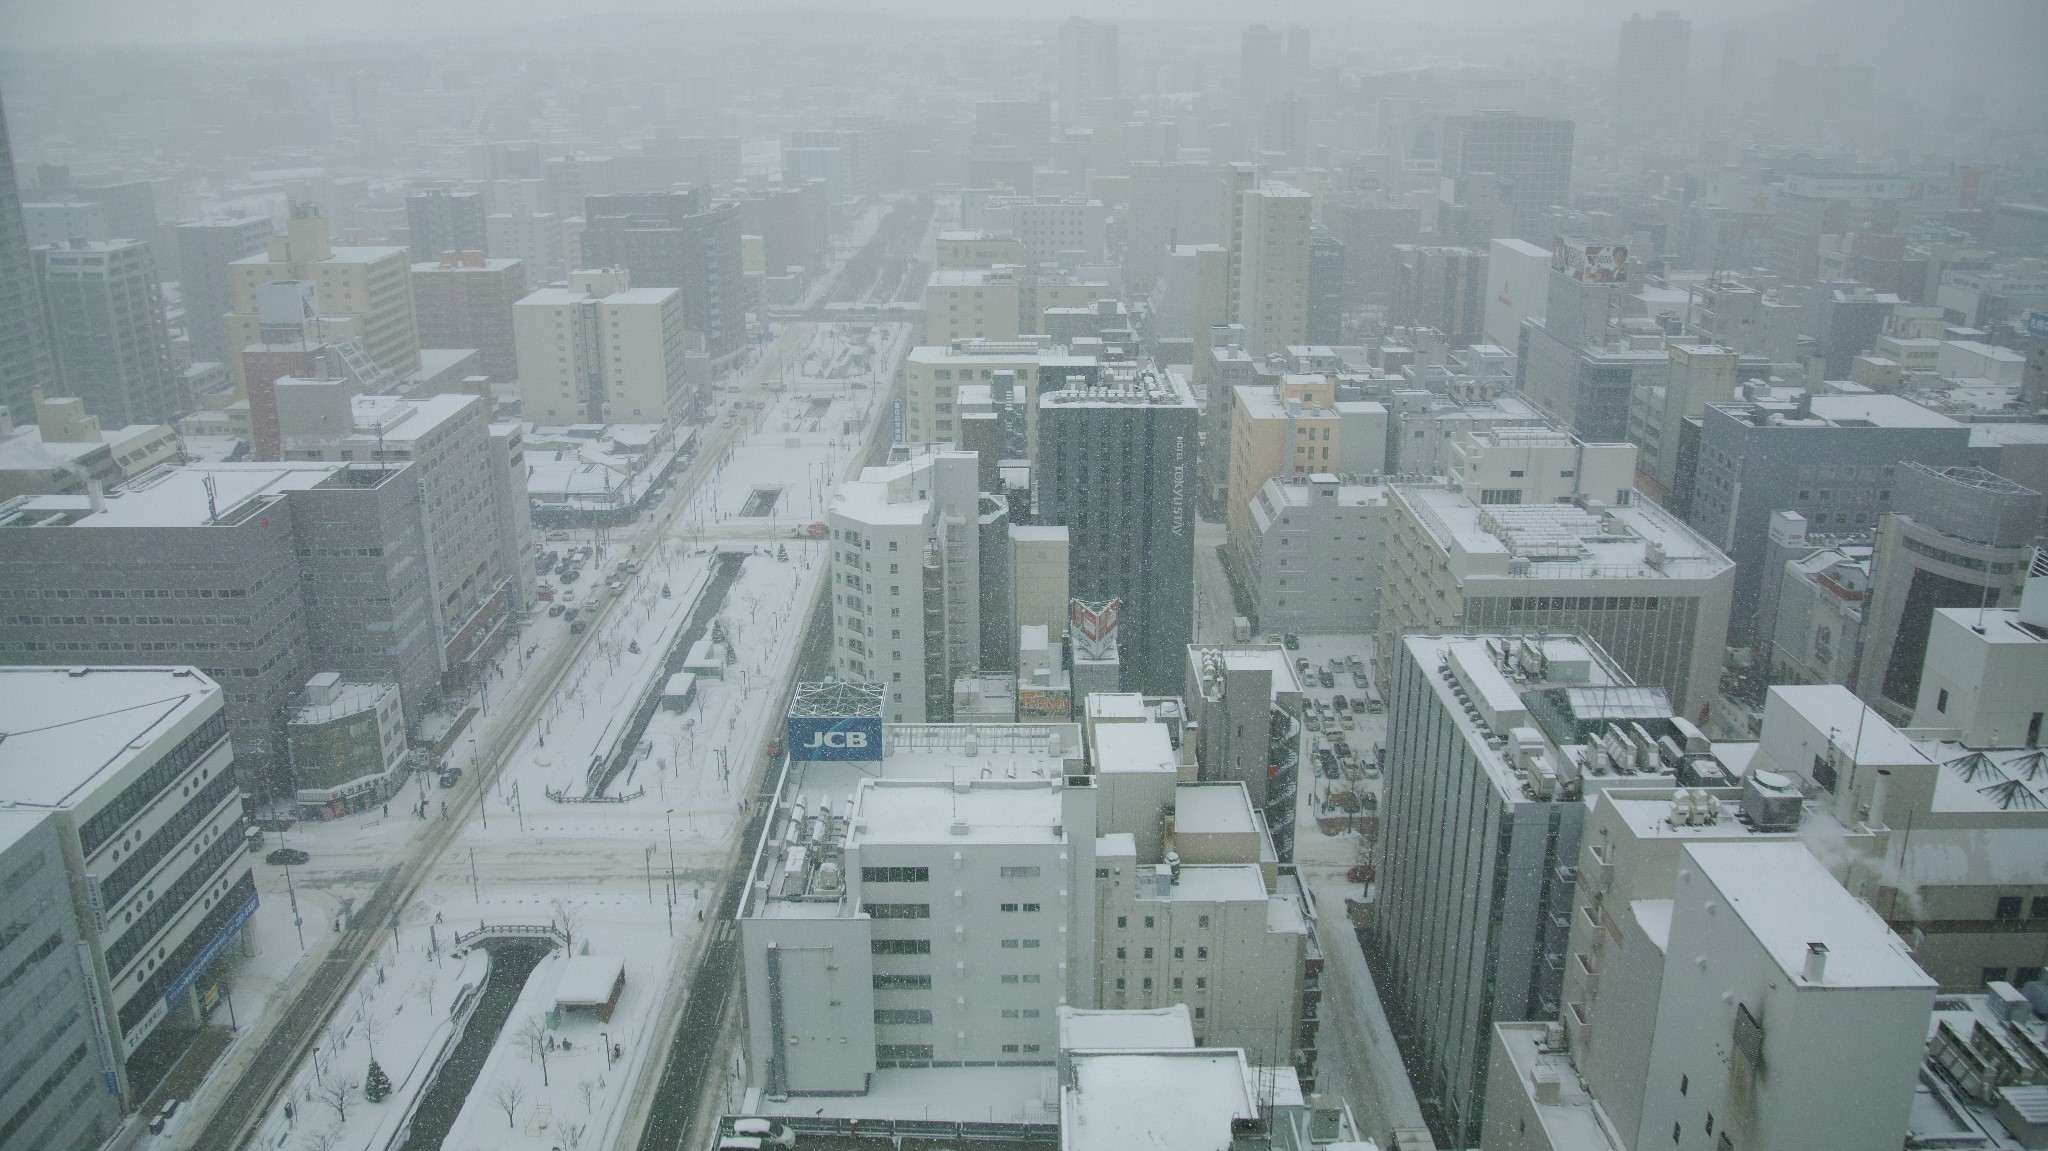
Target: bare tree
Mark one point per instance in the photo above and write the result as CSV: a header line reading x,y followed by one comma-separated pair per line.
x,y
572,1135
507,1096
425,988
532,1038
373,1026
321,1140
570,916
588,1090
337,1093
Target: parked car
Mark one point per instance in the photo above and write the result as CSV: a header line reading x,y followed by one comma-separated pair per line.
x,y
1292,641
579,627
1325,678
556,609
286,857
1339,702
1358,680
570,574
1301,666
764,1130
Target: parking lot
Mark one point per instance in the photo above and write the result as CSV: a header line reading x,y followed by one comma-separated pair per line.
x,y
1344,718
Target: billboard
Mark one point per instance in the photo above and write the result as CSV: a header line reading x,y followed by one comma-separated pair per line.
x,y
1093,627
835,737
1595,263
2037,324
1037,704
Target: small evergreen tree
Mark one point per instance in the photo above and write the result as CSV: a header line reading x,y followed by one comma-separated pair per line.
x,y
782,553
376,1084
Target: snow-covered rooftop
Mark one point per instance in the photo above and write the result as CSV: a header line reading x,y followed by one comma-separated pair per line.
x,y
1213,809
1787,899
1185,1100
61,734
984,811
1132,747
1142,1028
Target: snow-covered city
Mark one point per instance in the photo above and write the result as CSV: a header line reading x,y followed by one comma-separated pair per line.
x,y
905,577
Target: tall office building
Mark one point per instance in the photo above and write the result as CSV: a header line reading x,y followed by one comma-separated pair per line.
x,y
1176,204
372,286
1833,459
1444,289
1273,267
1492,742
1530,155
1325,288
1537,531
676,240
260,574
906,581
25,361
1262,66
205,249
108,333
599,351
464,300
535,239
1088,65
126,878
1955,537
438,220
1116,467
1650,72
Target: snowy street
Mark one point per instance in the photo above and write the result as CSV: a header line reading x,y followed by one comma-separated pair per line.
x,y
627,879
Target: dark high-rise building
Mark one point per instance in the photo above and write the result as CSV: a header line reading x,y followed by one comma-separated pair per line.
x,y
1325,287
1088,64
676,240
107,330
205,249
438,220
1650,72
1530,155
25,362
1116,468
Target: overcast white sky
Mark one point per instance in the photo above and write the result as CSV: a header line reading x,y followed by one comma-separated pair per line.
x,y
41,23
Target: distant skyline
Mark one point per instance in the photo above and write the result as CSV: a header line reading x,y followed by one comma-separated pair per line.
x,y
29,24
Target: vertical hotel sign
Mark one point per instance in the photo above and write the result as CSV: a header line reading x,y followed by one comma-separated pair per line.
x,y
1093,626
102,1043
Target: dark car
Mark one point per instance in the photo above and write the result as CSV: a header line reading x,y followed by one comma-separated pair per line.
x,y
1292,641
286,857
1324,677
570,574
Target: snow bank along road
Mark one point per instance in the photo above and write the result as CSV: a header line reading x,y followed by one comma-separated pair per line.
x,y
261,1068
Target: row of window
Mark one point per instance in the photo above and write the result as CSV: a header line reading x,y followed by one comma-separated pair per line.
x,y
1178,953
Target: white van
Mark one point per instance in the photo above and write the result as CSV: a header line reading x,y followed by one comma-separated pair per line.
x,y
763,1132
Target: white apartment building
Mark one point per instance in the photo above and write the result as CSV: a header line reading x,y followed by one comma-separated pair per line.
x,y
933,377
1052,230
370,285
1492,742
1529,526
931,907
600,351
1317,544
532,238
1246,704
1517,285
1272,267
126,877
1735,998
1985,670
906,580
1210,924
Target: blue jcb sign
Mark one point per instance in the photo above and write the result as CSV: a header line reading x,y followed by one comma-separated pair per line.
x,y
851,737
2037,324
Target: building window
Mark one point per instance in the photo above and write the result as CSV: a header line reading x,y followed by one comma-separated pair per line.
x,y
902,1015
1201,1013
1148,983
2008,907
1119,985
897,910
1201,953
1029,944
1993,975
1019,873
900,947
1119,919
1180,953
1202,921
895,874
2039,908
1009,907
1941,701
903,983
1148,921
1009,1013
1031,907
1009,943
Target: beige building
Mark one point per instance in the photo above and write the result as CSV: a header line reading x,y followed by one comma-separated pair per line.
x,y
1537,531
971,303
977,249
933,377
601,351
1272,268
1038,577
1284,431
370,285
1701,374
533,238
